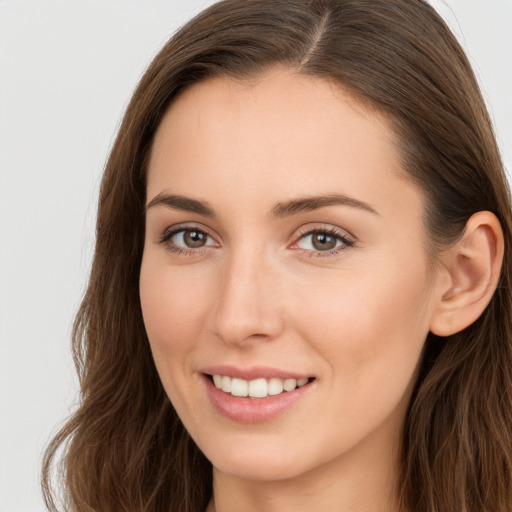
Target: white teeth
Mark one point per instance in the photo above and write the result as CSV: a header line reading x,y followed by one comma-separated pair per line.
x,y
217,379
289,384
275,386
239,387
226,384
257,388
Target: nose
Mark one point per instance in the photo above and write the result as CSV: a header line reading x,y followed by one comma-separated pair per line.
x,y
248,306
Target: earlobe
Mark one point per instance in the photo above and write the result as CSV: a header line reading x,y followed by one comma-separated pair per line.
x,y
472,269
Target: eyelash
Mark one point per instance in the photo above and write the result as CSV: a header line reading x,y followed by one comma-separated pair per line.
x,y
340,236
182,251
345,240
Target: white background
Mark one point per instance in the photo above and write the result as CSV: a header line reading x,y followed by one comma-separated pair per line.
x,y
67,69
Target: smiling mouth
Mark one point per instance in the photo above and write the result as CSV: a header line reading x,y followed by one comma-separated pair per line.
x,y
257,388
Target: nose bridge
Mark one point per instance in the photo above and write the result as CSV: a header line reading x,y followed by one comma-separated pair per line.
x,y
248,299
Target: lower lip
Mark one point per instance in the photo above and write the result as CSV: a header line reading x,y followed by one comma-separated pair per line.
x,y
253,410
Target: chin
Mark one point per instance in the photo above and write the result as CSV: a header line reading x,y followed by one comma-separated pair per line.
x,y
260,470
257,460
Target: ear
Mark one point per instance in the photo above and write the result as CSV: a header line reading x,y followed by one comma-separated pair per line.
x,y
471,271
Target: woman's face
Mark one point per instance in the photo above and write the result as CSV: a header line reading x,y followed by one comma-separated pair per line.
x,y
283,245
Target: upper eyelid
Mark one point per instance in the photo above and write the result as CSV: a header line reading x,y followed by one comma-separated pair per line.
x,y
332,232
327,228
176,228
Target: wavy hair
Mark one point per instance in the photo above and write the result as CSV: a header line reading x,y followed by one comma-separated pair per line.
x,y
125,449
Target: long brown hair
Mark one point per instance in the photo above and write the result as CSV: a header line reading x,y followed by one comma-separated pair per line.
x,y
125,449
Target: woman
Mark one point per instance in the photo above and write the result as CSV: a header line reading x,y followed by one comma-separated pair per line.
x,y
300,295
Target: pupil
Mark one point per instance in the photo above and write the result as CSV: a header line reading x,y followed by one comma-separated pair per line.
x,y
195,238
323,241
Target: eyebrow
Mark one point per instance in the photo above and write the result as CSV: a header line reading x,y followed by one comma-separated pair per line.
x,y
280,210
313,203
182,203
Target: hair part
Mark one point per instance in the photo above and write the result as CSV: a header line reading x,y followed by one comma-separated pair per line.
x,y
125,447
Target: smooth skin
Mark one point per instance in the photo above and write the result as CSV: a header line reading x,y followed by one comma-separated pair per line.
x,y
342,291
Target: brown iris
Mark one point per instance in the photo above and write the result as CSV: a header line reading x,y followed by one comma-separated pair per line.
x,y
194,239
323,241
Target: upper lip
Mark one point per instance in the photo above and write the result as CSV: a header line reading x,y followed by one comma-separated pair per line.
x,y
253,372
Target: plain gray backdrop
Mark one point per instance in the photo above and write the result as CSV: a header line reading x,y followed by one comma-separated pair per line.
x,y
67,69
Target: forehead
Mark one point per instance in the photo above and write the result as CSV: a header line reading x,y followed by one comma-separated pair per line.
x,y
274,138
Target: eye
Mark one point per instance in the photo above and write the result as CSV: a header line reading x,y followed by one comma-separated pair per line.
x,y
191,238
187,239
327,241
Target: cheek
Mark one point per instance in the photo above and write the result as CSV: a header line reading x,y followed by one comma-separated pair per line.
x,y
370,326
174,305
